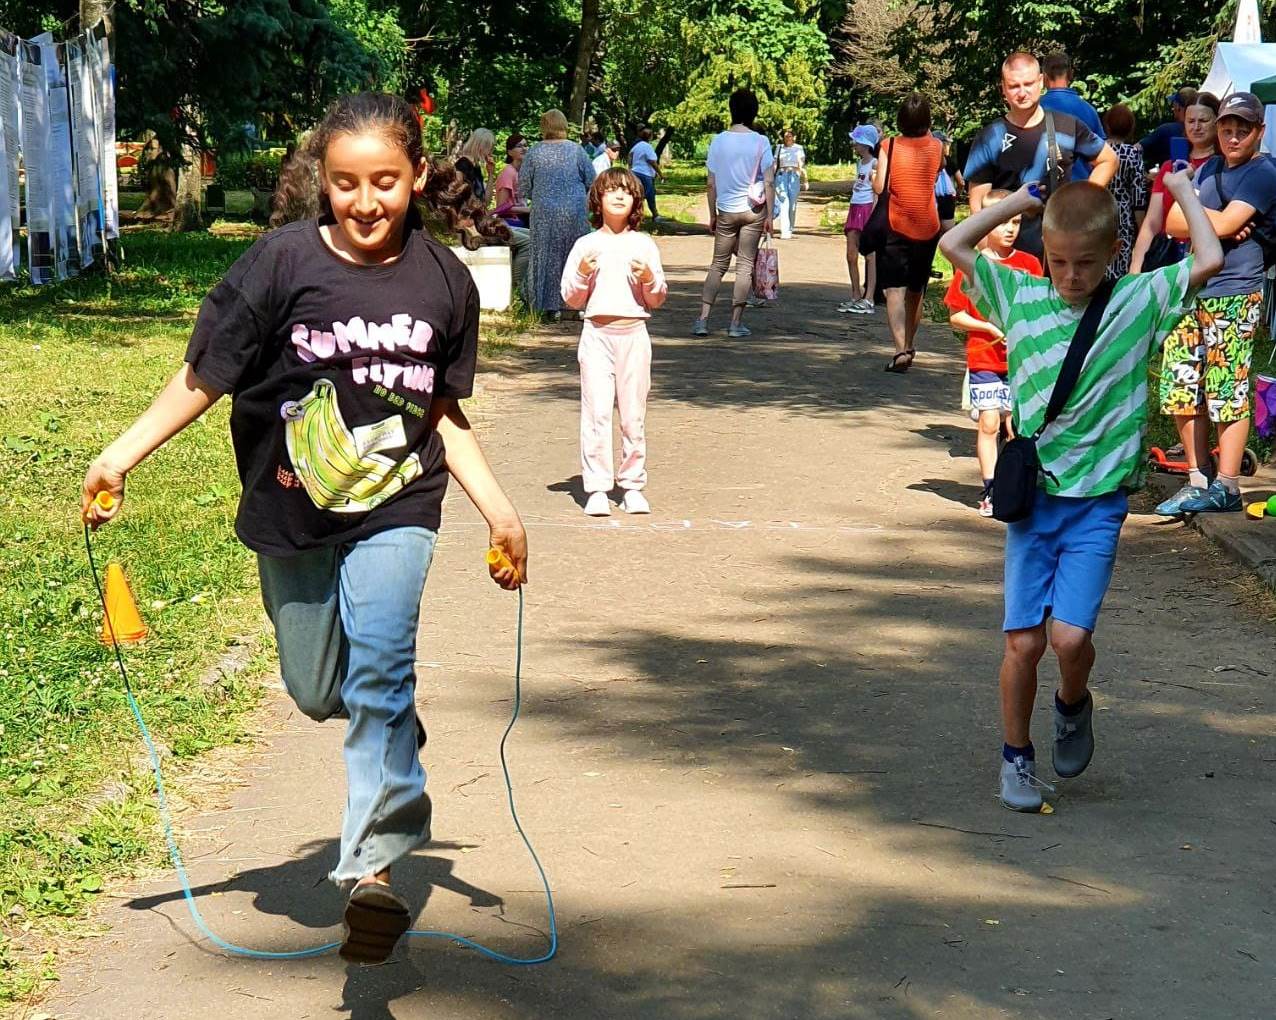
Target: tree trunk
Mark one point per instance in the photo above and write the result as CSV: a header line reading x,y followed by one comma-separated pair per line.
x,y
161,182
188,214
590,26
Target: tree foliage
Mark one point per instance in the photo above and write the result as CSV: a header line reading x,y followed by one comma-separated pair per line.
x,y
1124,50
497,64
675,62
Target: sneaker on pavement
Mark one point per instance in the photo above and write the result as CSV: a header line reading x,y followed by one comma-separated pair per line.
x,y
597,505
739,331
1173,506
1020,787
753,301
700,327
864,307
1073,740
635,502
1215,499
985,505
849,306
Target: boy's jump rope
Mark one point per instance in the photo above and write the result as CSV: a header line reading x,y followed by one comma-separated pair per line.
x,y
495,558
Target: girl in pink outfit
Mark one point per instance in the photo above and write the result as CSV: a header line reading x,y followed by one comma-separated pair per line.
x,y
615,276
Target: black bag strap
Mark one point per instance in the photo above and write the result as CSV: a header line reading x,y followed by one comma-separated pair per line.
x,y
890,163
1054,158
1082,340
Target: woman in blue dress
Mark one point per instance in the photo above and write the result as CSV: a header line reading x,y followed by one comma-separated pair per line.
x,y
555,179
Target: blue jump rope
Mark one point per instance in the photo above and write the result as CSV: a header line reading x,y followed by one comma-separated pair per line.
x,y
175,854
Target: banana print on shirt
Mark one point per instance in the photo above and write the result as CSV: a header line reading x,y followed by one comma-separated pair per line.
x,y
341,469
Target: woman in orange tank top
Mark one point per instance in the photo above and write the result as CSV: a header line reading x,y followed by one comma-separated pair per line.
x,y
906,171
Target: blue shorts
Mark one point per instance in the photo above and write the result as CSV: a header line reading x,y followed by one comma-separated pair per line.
x,y
989,391
1059,560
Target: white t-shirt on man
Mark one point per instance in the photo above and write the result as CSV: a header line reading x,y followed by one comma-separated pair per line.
x,y
643,159
601,162
737,159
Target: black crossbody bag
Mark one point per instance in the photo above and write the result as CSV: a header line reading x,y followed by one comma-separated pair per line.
x,y
1014,482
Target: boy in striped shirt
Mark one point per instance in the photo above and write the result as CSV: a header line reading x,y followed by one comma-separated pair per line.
x,y
1059,559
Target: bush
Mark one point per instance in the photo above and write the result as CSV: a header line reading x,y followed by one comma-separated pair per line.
x,y
250,170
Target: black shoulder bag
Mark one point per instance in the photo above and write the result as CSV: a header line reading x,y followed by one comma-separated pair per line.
x,y
878,228
1014,482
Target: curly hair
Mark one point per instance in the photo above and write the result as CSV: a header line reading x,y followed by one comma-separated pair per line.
x,y
615,178
447,206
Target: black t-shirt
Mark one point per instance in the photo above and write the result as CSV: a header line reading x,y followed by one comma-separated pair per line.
x,y
332,368
1008,156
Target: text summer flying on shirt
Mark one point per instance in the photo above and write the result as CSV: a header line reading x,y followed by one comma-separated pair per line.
x,y
332,382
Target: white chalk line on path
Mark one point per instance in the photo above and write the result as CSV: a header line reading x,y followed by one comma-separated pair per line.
x,y
682,526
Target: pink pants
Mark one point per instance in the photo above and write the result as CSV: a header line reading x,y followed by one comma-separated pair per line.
x,y
615,370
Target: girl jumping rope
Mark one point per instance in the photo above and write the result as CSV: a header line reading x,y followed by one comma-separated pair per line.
x,y
346,343
614,274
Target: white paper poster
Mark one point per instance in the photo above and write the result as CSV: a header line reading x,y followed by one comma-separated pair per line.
x,y
35,161
104,80
60,163
88,192
10,210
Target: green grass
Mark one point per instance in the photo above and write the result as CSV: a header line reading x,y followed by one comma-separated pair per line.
x,y
78,361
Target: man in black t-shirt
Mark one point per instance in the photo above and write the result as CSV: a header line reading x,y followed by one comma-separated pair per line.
x,y
1015,149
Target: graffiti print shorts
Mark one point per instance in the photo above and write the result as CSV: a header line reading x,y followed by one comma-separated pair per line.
x,y
1205,365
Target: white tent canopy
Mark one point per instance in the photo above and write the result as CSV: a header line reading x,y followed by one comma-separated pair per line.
x,y
1236,67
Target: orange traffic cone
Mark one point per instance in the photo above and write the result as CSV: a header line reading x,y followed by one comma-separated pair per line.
x,y
122,616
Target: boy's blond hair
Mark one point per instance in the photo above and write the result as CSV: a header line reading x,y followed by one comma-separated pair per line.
x,y
1080,207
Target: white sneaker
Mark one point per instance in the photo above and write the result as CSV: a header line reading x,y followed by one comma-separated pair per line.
x,y
635,502
848,306
863,307
985,505
597,505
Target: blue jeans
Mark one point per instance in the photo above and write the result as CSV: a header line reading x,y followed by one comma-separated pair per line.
x,y
788,185
345,620
648,183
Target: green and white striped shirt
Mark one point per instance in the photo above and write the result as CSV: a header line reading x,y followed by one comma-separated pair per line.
x,y
1095,446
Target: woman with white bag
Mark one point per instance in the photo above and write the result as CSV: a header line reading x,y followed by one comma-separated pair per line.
x,y
741,192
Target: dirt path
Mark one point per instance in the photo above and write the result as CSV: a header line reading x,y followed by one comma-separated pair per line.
x,y
759,750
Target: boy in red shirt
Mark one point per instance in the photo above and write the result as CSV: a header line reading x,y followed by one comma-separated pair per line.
x,y
986,350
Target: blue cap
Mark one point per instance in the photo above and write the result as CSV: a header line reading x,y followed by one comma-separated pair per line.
x,y
866,134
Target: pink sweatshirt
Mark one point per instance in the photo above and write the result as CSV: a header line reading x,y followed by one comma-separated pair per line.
x,y
613,290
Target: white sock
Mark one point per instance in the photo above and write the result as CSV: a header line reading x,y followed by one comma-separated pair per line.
x,y
1231,483
1195,476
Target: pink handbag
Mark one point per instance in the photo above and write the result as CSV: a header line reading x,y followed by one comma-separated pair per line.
x,y
766,271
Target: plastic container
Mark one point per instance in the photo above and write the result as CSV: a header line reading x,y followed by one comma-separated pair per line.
x,y
490,267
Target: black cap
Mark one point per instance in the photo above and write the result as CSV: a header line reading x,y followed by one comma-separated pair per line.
x,y
1244,105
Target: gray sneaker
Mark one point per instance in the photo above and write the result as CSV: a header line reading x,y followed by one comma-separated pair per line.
x,y
741,330
1020,787
1173,506
700,327
1073,740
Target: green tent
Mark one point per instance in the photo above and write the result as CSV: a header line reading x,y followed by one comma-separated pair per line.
x,y
1265,89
